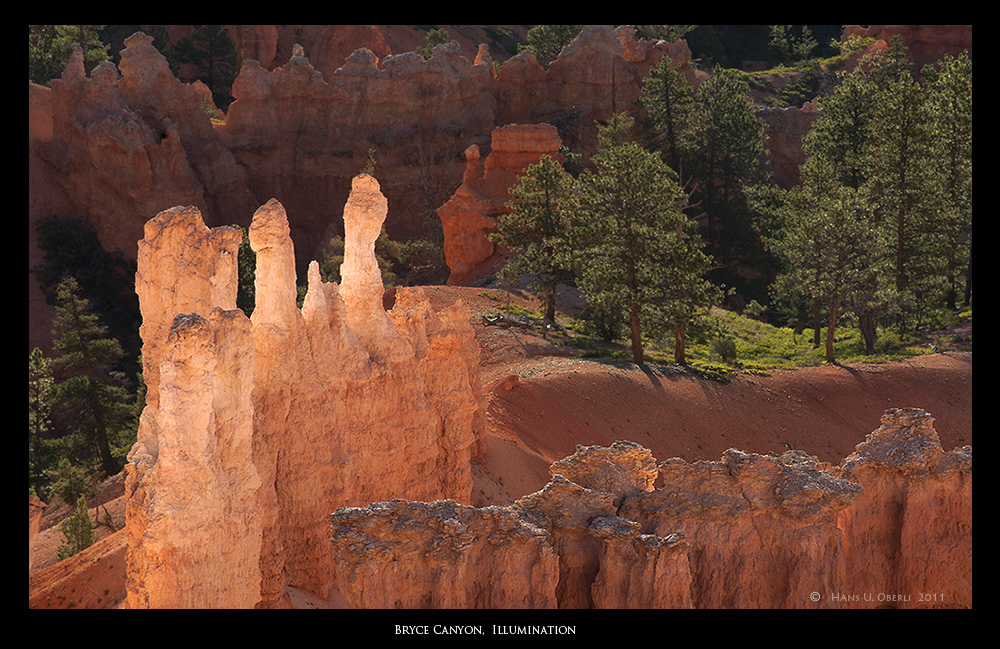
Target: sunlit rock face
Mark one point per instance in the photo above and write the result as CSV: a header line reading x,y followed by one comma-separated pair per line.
x,y
335,404
471,214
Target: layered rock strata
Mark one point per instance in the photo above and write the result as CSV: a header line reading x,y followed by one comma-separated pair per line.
x,y
890,527
308,403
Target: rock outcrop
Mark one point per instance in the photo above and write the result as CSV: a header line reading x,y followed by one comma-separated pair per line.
x,y
302,137
192,516
287,415
403,554
471,214
131,140
890,527
926,43
910,532
785,129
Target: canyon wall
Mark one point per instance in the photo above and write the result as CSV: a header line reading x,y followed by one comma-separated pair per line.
x,y
132,140
890,527
255,429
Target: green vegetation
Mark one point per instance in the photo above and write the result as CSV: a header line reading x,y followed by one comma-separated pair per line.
x,y
92,393
538,226
435,36
78,530
50,48
871,249
209,50
881,226
859,263
722,344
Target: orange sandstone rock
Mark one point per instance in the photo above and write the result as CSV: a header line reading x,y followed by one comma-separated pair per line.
x,y
443,554
337,404
890,527
471,213
192,516
909,536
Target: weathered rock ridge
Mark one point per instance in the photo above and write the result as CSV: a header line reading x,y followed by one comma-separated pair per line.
x,y
129,141
132,140
890,527
255,429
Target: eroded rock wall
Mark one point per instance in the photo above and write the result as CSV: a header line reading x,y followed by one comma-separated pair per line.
x,y
131,140
192,514
336,404
302,137
910,532
891,527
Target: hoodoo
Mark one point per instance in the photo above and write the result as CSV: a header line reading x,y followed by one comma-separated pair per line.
x,y
256,429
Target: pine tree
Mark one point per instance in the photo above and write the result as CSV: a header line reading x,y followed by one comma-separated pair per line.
x,y
841,133
829,248
670,109
637,254
950,105
730,158
212,50
78,530
43,453
92,392
906,146
907,192
537,229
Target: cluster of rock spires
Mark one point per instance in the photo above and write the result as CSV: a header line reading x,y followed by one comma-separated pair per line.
x,y
255,429
132,140
129,141
890,527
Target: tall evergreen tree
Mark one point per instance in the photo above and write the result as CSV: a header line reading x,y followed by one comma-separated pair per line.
x,y
906,190
906,146
950,104
842,132
43,453
670,109
731,149
92,392
636,251
537,229
829,248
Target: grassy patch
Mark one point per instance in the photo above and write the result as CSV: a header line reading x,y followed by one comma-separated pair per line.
x,y
761,348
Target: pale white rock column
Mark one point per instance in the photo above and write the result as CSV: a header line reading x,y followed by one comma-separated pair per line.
x,y
361,280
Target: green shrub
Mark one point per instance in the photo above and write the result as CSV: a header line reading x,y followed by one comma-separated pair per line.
x,y
725,348
78,529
